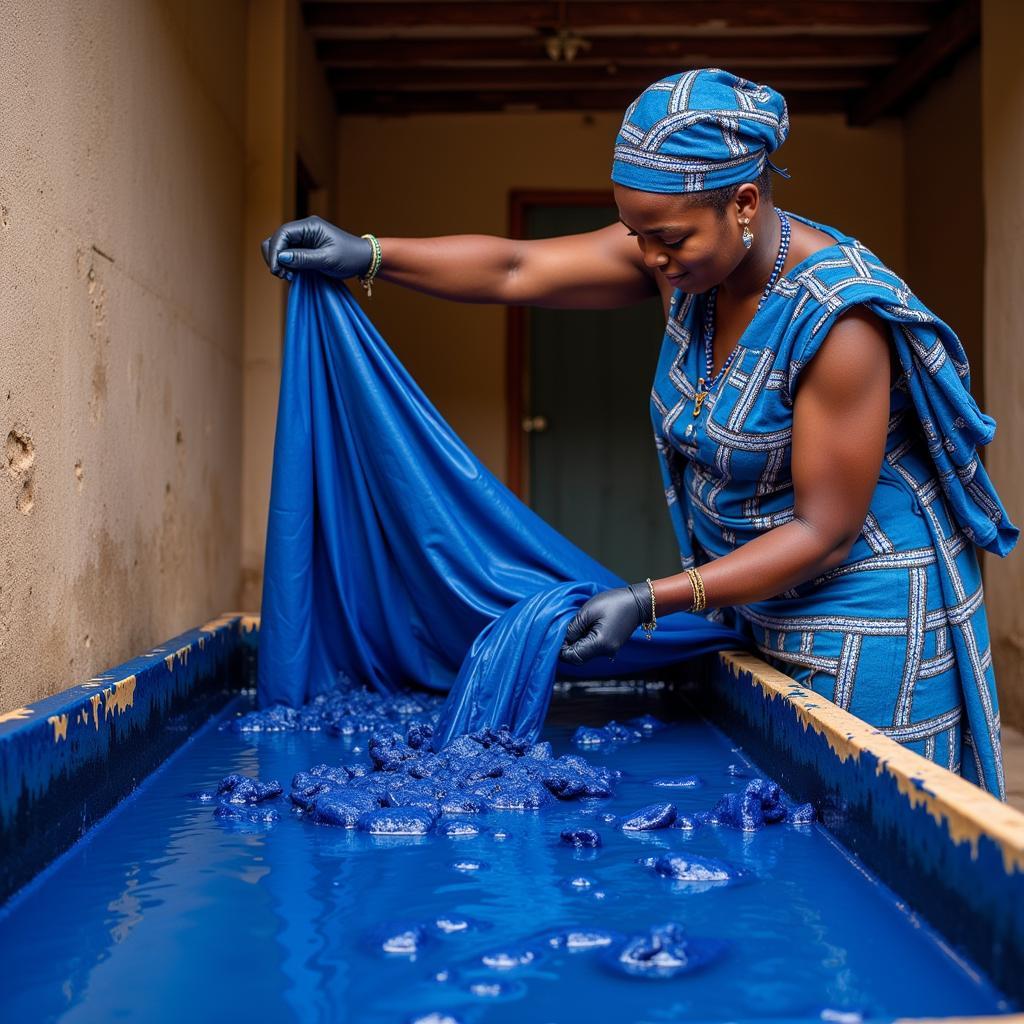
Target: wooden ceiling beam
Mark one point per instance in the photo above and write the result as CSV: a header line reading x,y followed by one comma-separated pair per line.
x,y
895,15
960,28
866,50
563,76
390,104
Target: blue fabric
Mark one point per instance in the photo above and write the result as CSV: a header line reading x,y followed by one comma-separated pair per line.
x,y
897,634
394,558
701,129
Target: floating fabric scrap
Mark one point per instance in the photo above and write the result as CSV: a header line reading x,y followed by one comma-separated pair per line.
x,y
242,789
403,941
761,803
615,732
489,770
349,710
572,778
392,821
459,828
693,870
581,940
463,803
510,959
649,818
453,924
522,796
582,838
343,809
245,814
408,938
665,952
237,797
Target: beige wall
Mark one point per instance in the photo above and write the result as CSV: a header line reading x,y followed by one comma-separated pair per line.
x,y
316,134
149,145
121,196
851,178
1002,88
945,212
290,113
440,174
270,189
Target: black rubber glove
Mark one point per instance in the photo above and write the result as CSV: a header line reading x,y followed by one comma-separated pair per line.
x,y
314,244
606,622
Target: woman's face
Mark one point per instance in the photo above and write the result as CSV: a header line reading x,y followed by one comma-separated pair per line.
x,y
695,247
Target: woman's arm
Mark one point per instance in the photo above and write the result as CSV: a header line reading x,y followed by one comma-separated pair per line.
x,y
597,270
840,422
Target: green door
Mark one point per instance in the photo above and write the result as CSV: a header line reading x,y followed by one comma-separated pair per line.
x,y
593,470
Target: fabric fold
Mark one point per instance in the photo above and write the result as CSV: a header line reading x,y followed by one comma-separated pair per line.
x,y
395,558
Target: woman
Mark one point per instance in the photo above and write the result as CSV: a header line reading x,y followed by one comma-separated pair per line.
x,y
827,498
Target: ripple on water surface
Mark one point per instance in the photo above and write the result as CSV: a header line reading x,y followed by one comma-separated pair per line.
x,y
377,895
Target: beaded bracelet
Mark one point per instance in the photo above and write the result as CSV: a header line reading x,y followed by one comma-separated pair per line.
x,y
378,258
650,627
700,600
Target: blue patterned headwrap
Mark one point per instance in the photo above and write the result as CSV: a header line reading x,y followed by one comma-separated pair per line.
x,y
699,130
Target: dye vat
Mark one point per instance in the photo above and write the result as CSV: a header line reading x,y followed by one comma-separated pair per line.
x,y
166,908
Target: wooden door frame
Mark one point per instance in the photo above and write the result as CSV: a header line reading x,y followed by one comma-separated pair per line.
x,y
517,368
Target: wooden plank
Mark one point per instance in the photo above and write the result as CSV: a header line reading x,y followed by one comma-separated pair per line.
x,y
958,30
569,76
824,50
878,15
579,101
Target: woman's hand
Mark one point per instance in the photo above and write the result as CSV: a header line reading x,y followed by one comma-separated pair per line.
x,y
314,244
605,623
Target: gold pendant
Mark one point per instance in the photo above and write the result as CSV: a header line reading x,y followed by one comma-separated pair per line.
x,y
698,397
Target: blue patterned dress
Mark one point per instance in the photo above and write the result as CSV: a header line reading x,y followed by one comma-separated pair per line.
x,y
897,634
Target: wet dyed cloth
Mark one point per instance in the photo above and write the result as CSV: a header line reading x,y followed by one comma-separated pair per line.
x,y
897,634
394,558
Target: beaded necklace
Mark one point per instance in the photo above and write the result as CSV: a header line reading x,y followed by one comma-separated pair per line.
x,y
703,390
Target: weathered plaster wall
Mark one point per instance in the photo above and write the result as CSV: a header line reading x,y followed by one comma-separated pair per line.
x,y
121,203
441,174
316,133
290,113
270,189
945,212
850,178
1002,91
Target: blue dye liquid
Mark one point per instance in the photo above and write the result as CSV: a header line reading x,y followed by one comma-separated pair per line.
x,y
164,913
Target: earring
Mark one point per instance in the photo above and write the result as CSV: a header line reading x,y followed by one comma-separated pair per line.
x,y
748,235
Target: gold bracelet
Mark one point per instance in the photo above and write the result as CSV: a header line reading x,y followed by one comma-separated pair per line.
x,y
650,627
700,600
378,258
